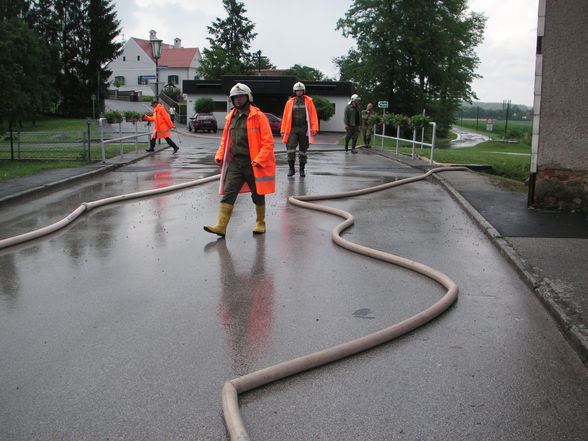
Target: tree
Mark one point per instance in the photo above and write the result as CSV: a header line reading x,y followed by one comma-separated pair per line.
x,y
324,108
103,29
417,54
305,73
261,61
81,35
14,9
229,44
25,69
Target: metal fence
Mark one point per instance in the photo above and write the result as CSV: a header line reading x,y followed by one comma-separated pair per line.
x,y
85,146
413,142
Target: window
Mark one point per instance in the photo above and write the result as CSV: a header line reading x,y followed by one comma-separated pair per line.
x,y
173,79
138,57
142,80
120,80
219,106
124,58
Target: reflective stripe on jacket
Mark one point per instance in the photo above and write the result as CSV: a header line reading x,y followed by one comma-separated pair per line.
x,y
311,119
163,123
261,151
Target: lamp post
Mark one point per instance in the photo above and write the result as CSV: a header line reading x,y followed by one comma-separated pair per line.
x,y
156,51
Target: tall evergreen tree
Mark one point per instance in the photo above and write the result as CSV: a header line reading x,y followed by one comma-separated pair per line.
x,y
25,69
414,53
102,47
14,9
81,34
230,42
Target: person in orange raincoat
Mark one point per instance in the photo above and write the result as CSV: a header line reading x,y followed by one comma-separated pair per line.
x,y
246,157
299,125
163,125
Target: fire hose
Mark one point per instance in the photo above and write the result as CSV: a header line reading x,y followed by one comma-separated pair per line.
x,y
234,387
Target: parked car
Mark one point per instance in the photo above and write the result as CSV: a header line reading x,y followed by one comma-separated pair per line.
x,y
202,121
275,123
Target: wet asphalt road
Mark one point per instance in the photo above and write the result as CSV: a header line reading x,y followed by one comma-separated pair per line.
x,y
467,138
126,324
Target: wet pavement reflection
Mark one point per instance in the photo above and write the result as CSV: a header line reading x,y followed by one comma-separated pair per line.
x,y
126,324
246,303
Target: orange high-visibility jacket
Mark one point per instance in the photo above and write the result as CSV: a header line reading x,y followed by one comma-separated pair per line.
x,y
311,118
163,123
261,151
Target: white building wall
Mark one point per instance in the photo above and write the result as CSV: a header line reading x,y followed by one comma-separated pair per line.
x,y
220,116
132,63
335,123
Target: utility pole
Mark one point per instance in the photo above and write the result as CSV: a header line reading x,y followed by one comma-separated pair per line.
x,y
506,104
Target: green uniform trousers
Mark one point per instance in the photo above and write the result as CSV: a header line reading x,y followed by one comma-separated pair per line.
x,y
238,172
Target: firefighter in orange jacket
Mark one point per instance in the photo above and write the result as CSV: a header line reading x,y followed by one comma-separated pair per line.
x,y
246,157
163,125
299,124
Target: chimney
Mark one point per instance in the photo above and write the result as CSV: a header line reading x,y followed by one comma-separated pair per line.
x,y
177,43
152,35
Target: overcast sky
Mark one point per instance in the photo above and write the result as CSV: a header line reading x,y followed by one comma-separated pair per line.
x,y
303,32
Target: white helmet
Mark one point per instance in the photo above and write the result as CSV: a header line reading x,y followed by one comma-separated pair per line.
x,y
241,89
298,86
355,97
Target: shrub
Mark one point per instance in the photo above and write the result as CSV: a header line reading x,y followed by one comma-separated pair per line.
x,y
173,92
416,121
203,105
131,115
324,108
396,120
113,116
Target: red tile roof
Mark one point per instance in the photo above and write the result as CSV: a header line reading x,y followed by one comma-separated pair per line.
x,y
170,56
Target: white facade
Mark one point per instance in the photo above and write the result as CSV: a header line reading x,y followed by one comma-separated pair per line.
x,y
335,123
220,116
135,64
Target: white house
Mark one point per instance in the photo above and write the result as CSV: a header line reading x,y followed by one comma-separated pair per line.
x,y
135,66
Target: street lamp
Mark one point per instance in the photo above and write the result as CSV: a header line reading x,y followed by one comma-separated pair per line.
x,y
156,51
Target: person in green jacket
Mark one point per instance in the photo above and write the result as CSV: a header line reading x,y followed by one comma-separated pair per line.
x,y
366,125
352,121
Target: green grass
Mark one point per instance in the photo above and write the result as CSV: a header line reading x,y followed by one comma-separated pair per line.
x,y
493,153
54,130
50,124
14,169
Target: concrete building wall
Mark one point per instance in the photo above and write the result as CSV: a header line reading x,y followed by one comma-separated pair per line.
x,y
560,129
217,98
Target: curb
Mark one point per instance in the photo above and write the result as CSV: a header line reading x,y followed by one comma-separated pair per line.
x,y
107,167
577,336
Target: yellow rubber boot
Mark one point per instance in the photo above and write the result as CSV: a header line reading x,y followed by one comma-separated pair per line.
x,y
260,221
224,216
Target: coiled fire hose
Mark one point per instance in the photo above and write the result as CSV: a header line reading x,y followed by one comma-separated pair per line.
x,y
233,388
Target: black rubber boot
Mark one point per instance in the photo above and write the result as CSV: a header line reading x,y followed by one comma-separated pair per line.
x,y
292,170
302,174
